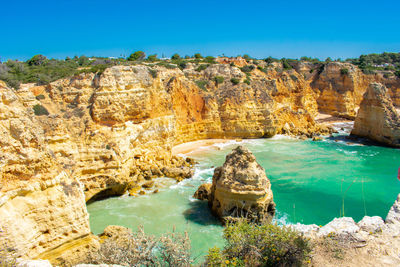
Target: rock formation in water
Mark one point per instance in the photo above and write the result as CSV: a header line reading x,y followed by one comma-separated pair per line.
x,y
240,188
112,132
377,119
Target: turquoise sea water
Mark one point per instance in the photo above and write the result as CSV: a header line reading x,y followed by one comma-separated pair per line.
x,y
308,181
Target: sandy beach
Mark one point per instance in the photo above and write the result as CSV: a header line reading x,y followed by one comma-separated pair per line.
x,y
191,146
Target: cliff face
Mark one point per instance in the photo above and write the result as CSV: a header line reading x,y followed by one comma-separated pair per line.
x,y
340,87
42,206
109,132
116,129
377,118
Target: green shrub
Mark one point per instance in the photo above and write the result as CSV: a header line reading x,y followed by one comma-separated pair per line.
x,y
152,58
175,56
218,79
198,56
138,55
40,110
249,244
235,81
182,65
202,67
344,71
368,71
270,60
214,257
153,73
167,65
37,60
246,57
285,64
397,73
247,68
201,84
40,97
247,81
387,75
210,59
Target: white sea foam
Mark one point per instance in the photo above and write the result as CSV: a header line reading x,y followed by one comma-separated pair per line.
x,y
281,137
281,218
343,127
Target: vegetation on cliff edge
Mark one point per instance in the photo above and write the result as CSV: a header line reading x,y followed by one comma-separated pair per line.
x,y
41,70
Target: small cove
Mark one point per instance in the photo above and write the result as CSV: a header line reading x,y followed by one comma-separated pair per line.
x,y
308,180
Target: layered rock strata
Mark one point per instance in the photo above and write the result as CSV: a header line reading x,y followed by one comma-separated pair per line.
x,y
240,188
111,132
42,205
377,118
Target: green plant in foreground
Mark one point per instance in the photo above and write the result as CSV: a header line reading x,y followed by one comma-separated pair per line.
x,y
249,244
140,249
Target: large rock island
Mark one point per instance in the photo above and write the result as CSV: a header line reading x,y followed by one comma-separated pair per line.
x,y
240,188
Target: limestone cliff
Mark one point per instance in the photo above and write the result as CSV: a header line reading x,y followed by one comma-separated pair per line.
x,y
340,86
110,132
116,129
240,188
377,118
42,206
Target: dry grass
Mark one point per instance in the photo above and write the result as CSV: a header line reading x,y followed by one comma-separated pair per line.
x,y
139,249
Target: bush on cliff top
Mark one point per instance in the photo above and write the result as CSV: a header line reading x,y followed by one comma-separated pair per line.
x,y
249,244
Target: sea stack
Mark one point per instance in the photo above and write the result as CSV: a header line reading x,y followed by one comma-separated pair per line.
x,y
377,119
240,188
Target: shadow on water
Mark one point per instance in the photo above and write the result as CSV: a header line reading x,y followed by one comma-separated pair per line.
x,y
200,213
352,139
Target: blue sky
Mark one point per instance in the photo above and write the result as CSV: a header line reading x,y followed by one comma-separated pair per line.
x,y
260,28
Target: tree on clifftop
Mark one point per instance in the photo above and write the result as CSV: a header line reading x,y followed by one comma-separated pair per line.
x,y
37,60
175,56
138,55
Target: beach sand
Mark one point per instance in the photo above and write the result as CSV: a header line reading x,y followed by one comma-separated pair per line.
x,y
191,146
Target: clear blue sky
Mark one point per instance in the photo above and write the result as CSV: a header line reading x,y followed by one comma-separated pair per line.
x,y
212,27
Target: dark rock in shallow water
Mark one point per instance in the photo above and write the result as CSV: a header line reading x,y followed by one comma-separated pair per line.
x,y
203,192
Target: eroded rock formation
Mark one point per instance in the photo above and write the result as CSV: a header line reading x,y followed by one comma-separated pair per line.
x,y
377,118
240,188
108,133
42,206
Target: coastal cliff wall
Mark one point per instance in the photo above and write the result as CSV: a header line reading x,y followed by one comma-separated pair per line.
x,y
103,134
42,205
377,118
